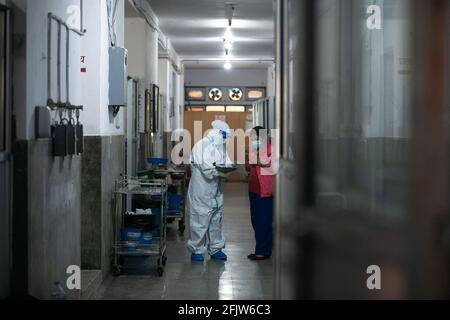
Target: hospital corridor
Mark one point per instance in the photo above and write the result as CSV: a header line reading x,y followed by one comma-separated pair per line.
x,y
224,158
239,279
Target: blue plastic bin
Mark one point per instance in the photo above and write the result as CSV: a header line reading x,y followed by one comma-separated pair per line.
x,y
157,213
146,239
156,233
131,246
131,234
156,198
157,161
175,201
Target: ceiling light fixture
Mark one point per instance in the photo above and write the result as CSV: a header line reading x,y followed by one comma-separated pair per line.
x,y
228,41
228,37
228,45
229,14
228,34
228,65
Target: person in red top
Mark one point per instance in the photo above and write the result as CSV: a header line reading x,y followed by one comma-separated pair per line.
x,y
261,182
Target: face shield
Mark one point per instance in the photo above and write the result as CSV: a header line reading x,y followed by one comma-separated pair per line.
x,y
225,135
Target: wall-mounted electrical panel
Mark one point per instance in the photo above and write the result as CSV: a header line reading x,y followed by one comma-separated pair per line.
x,y
118,76
67,135
43,122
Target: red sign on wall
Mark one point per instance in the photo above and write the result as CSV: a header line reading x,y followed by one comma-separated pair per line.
x,y
83,61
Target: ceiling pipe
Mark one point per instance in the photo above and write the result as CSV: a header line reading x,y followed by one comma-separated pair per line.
x,y
229,59
60,24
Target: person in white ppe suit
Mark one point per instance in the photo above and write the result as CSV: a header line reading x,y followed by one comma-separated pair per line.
x,y
205,195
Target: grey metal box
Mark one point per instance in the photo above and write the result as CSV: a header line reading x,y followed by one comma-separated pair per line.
x,y
118,63
43,122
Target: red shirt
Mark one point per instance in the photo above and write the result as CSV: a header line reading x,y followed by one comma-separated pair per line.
x,y
261,180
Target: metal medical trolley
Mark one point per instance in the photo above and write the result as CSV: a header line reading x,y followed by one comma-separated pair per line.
x,y
177,179
128,187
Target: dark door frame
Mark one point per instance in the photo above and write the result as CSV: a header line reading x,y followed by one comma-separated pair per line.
x,y
5,155
418,246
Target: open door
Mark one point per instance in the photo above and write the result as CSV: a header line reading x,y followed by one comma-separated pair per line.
x,y
5,153
367,149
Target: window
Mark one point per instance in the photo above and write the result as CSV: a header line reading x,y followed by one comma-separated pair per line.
x,y
362,103
256,93
215,108
195,94
235,109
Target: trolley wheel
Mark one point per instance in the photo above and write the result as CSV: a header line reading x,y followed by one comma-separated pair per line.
x,y
117,271
160,271
181,227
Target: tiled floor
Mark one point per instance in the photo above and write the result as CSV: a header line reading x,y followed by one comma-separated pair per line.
x,y
237,279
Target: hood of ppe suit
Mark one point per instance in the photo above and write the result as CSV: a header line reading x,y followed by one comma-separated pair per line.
x,y
219,129
221,125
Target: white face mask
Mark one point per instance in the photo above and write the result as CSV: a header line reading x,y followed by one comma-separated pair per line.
x,y
256,144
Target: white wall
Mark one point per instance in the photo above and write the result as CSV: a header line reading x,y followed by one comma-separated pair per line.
x,y
135,35
164,70
271,81
36,83
141,42
97,117
171,88
225,78
88,89
179,103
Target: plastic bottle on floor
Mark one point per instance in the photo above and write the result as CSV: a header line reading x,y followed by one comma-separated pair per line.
x,y
58,291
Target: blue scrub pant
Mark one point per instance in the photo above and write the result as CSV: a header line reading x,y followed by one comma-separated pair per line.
x,y
262,221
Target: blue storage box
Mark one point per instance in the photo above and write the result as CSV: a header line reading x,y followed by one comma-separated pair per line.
x,y
131,247
146,239
156,233
156,198
175,201
157,213
131,234
157,161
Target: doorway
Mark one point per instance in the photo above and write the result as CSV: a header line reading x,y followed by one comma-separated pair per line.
x,y
236,121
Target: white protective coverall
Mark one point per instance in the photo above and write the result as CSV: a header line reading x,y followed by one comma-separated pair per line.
x,y
205,195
